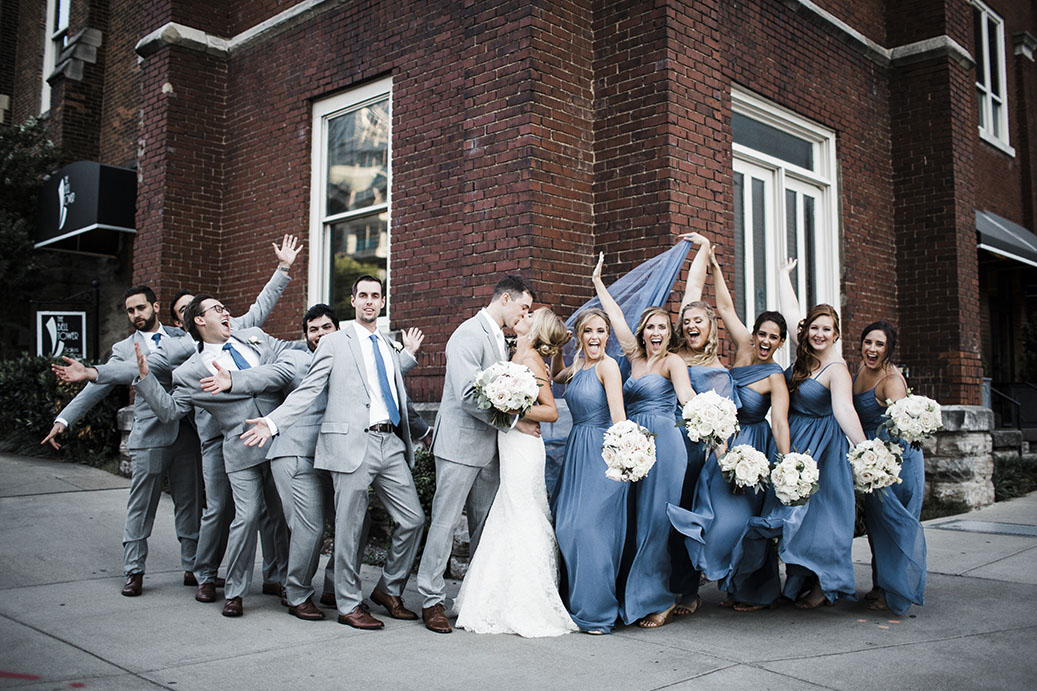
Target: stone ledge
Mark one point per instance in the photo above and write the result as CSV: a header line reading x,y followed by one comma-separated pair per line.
x,y
967,418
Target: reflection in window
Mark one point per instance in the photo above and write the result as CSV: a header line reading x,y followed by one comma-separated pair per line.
x,y
358,246
358,158
988,32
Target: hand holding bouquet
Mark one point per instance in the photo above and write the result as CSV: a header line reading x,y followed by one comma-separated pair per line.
x,y
710,418
507,388
912,419
628,451
876,464
794,477
745,467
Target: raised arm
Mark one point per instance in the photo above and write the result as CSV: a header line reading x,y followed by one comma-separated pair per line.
x,y
841,387
780,412
697,271
612,381
619,322
271,293
788,304
736,330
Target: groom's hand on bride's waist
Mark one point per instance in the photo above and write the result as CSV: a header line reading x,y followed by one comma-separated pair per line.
x,y
528,427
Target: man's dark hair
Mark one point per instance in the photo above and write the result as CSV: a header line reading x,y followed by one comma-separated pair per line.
x,y
368,277
147,292
316,312
195,310
514,286
172,305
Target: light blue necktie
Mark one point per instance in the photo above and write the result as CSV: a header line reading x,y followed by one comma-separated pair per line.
x,y
237,357
156,337
383,381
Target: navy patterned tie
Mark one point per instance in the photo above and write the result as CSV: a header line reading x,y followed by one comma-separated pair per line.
x,y
383,381
237,357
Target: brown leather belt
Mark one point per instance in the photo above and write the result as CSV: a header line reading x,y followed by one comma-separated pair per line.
x,y
384,427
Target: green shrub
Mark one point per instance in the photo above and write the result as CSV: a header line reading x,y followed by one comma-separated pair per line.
x,y
30,398
1014,478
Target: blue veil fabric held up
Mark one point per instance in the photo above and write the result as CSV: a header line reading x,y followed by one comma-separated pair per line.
x,y
645,285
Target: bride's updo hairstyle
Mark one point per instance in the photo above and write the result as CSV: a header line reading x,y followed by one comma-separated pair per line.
x,y
709,351
547,334
642,324
806,361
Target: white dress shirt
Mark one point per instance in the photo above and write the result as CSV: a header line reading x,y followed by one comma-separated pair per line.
x,y
214,352
497,333
378,413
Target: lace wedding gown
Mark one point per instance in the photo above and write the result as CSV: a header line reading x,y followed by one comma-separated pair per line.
x,y
512,583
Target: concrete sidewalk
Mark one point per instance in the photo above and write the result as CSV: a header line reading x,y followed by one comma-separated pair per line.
x,y
63,623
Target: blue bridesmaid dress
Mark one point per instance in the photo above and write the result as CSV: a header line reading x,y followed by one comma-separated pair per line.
x,y
892,515
650,401
590,510
685,569
717,521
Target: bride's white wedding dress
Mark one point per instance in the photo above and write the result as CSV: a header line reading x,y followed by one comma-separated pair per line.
x,y
512,582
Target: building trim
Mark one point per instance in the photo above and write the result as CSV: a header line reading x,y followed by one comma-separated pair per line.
x,y
1024,45
85,229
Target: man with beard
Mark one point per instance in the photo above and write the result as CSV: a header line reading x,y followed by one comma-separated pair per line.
x,y
157,448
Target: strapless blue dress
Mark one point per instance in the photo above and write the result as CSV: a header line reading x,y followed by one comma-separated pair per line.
x,y
892,516
590,510
688,562
650,402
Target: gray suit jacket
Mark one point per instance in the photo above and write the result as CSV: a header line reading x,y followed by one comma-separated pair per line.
x,y
254,393
338,368
149,432
464,433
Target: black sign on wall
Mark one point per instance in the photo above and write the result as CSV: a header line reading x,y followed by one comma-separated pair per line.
x,y
86,207
61,333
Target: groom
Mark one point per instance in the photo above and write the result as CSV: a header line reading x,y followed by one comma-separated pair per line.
x,y
465,442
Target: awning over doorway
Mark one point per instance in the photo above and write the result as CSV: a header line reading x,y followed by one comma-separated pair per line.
x,y
86,207
1005,238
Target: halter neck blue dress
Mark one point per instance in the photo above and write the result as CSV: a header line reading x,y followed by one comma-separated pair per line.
x,y
892,516
590,510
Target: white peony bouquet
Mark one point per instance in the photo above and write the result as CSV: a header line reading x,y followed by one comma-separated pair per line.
x,y
794,478
710,418
745,467
506,387
876,464
912,419
628,451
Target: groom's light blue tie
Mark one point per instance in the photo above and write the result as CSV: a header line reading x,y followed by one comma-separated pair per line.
x,y
383,382
237,357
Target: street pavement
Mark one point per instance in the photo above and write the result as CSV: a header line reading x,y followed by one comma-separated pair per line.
x,y
63,623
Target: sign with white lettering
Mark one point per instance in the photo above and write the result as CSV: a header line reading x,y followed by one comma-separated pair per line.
x,y
61,333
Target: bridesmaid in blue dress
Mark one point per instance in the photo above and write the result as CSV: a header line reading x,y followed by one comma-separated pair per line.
x,y
892,514
590,510
816,538
718,519
658,380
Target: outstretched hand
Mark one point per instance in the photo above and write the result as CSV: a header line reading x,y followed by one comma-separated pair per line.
x,y
218,382
57,429
73,372
412,340
259,433
142,361
596,274
288,251
789,265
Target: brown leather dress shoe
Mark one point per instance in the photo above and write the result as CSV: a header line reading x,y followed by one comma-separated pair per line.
x,y
189,578
393,605
435,618
306,610
134,584
206,592
232,608
328,600
360,618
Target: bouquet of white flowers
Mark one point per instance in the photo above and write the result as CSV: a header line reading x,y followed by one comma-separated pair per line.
x,y
876,464
912,419
506,387
628,451
794,477
710,418
745,467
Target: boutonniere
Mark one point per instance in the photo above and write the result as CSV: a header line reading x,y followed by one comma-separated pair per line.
x,y
398,347
510,342
254,340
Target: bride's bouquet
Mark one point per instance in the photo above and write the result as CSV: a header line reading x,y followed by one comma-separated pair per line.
x,y
506,388
628,451
912,419
745,467
710,418
876,464
794,478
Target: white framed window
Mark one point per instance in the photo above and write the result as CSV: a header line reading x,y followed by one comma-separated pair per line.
x,y
785,206
54,41
350,196
989,34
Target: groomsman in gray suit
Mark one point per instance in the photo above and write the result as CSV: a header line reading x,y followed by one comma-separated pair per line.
x,y
364,441
465,441
232,377
157,447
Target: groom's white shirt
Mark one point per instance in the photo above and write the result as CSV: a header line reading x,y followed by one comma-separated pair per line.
x,y
498,334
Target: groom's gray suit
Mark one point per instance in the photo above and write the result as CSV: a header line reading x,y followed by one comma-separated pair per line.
x,y
358,457
465,447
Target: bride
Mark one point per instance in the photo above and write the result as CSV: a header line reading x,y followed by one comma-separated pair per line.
x,y
512,583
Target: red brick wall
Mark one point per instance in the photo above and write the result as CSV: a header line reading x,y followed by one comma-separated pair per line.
x,y
28,76
120,110
866,16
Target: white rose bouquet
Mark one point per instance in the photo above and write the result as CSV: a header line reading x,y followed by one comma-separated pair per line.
x,y
745,467
794,478
628,451
506,387
912,419
876,464
710,418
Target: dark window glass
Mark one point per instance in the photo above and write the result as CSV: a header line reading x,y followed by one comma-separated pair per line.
x,y
759,247
772,141
740,246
